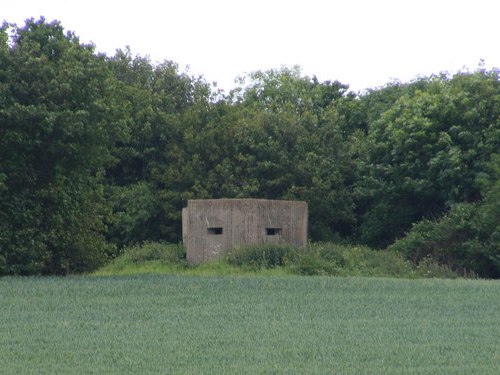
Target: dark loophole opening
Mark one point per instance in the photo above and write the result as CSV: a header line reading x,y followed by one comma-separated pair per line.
x,y
215,230
273,231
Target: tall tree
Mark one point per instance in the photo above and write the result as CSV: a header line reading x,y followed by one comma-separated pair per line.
x,y
58,118
144,187
427,150
281,136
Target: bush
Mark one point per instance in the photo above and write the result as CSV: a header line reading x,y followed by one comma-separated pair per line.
x,y
328,259
262,256
149,257
154,251
430,268
319,259
343,260
364,261
465,240
348,260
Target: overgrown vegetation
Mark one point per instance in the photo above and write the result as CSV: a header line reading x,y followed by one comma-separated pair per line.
x,y
262,256
277,259
465,238
98,153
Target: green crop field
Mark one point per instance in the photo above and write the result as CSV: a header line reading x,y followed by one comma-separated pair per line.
x,y
248,325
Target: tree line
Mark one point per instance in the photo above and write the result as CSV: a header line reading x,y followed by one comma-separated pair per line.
x,y
100,152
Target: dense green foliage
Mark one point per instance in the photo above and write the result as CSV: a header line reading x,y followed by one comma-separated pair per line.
x,y
429,149
58,121
98,153
327,259
248,325
468,236
263,256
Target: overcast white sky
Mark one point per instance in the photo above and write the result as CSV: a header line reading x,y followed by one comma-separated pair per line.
x,y
363,43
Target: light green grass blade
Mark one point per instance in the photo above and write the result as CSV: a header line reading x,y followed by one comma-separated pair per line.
x,y
248,325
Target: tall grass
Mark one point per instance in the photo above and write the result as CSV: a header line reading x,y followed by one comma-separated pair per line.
x,y
149,257
343,260
275,259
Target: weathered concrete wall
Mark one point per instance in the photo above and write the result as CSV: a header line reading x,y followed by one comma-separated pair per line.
x,y
211,227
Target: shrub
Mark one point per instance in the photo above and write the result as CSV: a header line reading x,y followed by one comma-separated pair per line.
x,y
344,260
319,259
467,238
327,259
262,256
154,251
430,268
348,260
156,257
463,240
368,262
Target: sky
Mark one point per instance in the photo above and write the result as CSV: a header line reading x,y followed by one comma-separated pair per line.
x,y
362,43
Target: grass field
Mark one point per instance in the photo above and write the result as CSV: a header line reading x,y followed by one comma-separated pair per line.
x,y
248,325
